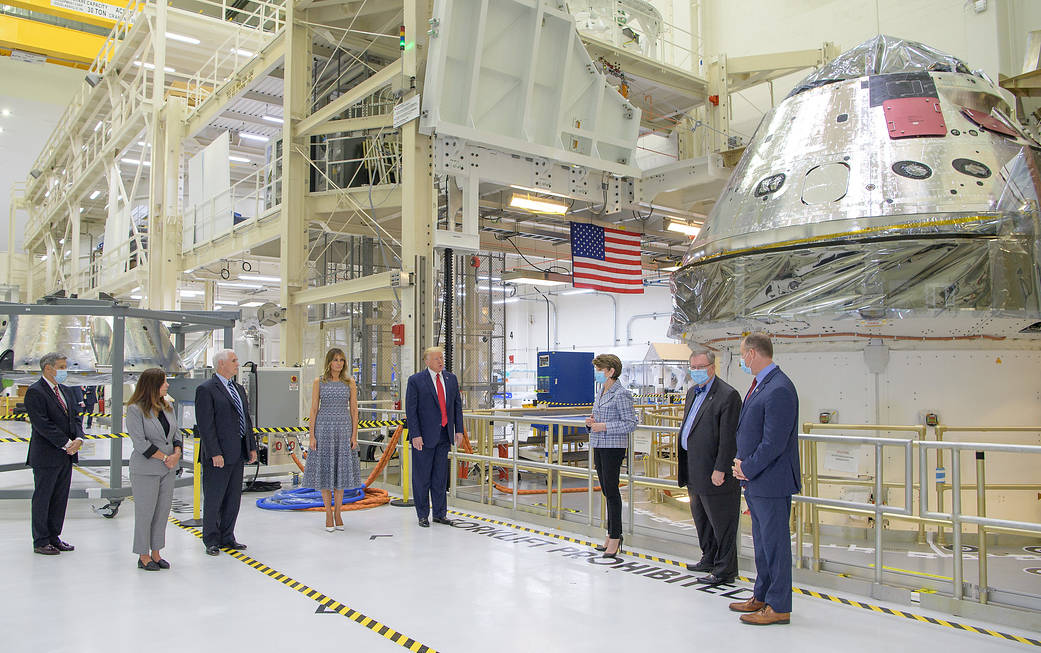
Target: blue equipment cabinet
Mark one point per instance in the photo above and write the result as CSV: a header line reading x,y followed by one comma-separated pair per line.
x,y
565,377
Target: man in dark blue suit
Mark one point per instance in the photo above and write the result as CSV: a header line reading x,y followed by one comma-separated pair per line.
x,y
767,463
433,411
57,435
226,436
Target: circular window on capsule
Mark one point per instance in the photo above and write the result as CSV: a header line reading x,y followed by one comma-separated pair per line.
x,y
770,184
971,168
912,170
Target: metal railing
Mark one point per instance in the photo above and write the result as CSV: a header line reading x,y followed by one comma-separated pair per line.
x,y
504,432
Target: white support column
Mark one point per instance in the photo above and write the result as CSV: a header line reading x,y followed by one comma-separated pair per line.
x,y
417,207
719,114
295,181
164,238
73,242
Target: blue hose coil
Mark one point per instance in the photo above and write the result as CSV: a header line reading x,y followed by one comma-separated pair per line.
x,y
304,497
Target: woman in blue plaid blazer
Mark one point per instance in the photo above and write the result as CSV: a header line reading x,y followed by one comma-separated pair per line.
x,y
610,426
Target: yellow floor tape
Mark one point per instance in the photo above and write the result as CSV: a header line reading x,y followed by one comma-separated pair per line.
x,y
797,590
321,599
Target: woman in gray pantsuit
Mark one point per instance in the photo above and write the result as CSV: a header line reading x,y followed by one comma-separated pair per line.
x,y
157,452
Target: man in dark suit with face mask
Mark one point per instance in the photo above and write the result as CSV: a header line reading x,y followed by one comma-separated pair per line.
x,y
57,435
707,444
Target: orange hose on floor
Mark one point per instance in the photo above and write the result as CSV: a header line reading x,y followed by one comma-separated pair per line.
x,y
373,496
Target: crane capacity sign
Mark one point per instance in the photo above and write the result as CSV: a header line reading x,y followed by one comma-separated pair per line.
x,y
406,111
92,7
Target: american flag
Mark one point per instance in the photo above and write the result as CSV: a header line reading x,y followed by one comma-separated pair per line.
x,y
605,259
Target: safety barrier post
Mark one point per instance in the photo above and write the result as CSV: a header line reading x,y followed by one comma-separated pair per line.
x,y
196,519
406,473
981,530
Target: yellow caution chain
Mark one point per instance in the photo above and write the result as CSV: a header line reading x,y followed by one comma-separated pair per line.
x,y
191,432
326,602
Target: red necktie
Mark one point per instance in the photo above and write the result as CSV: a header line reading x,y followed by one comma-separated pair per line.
x,y
441,401
750,390
61,401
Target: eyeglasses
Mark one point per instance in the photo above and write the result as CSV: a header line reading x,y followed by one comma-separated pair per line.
x,y
702,367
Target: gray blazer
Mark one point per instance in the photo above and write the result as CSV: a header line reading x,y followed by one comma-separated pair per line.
x,y
148,435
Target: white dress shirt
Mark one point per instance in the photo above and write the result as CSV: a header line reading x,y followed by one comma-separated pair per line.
x,y
55,390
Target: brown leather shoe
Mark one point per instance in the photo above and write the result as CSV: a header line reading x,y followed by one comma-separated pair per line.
x,y
766,617
751,605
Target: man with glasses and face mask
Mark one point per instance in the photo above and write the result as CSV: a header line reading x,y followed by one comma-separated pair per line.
x,y
767,464
707,445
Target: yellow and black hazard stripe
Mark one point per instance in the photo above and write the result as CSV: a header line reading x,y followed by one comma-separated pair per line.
x,y
557,404
371,424
87,436
280,429
326,602
21,417
797,590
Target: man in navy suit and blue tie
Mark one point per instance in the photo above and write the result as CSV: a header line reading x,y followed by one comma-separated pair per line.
x,y
226,436
433,412
767,464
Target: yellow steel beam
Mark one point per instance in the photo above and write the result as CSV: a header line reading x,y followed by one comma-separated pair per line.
x,y
98,15
49,40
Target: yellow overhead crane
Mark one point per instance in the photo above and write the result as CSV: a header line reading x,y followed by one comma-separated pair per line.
x,y
60,45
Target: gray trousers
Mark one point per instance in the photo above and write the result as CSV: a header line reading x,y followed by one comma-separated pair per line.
x,y
152,498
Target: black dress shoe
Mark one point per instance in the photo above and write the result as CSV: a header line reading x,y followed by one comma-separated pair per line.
x,y
63,546
151,566
213,550
617,551
712,579
443,520
701,566
163,564
238,546
46,550
424,522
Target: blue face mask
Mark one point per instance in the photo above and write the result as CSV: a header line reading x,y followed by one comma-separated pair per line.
x,y
744,367
699,377
599,377
60,376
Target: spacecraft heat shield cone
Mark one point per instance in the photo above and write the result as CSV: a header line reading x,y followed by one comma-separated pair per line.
x,y
902,201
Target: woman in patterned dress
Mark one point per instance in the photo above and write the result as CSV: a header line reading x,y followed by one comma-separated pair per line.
x,y
332,463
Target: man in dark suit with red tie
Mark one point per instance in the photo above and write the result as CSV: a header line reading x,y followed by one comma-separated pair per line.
x,y
767,464
433,412
57,435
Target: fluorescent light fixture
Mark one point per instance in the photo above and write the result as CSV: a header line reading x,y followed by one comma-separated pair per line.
x,y
142,144
43,258
68,254
226,302
151,66
511,300
81,209
684,228
5,113
537,190
258,277
97,126
274,119
239,159
235,284
182,38
485,277
252,304
491,288
61,242
189,270
138,289
536,278
537,204
192,293
578,291
136,297
135,162
242,53
254,137
95,194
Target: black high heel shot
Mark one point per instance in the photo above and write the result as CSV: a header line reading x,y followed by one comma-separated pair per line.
x,y
615,554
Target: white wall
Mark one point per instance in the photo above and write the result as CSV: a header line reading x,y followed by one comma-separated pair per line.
x,y
993,40
36,95
588,323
